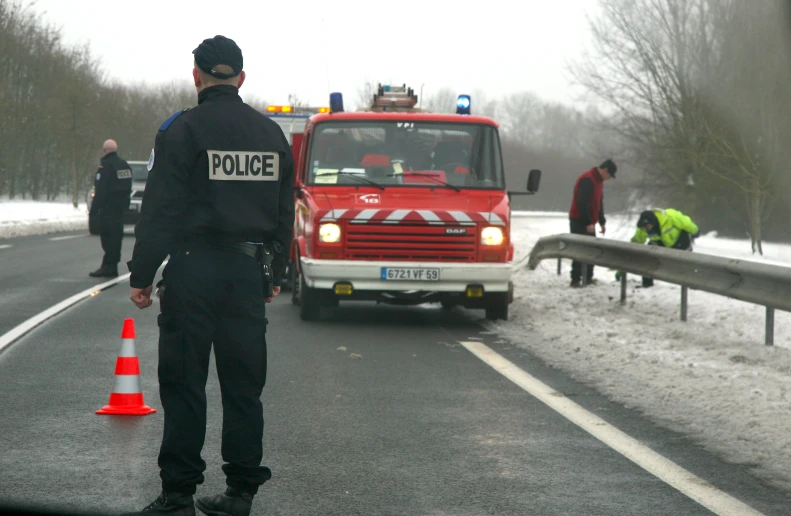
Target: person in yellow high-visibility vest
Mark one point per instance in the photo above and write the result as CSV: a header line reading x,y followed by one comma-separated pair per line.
x,y
665,228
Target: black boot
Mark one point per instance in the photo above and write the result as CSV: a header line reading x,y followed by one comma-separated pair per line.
x,y
175,504
105,271
231,503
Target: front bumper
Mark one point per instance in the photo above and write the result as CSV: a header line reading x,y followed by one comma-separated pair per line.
x,y
367,275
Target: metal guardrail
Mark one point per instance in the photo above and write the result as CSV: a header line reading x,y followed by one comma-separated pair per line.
x,y
757,283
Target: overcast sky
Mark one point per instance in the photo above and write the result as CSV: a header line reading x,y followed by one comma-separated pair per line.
x,y
311,47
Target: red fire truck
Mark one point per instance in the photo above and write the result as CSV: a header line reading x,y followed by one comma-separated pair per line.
x,y
401,206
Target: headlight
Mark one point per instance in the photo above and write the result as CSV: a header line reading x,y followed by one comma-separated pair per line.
x,y
329,233
492,236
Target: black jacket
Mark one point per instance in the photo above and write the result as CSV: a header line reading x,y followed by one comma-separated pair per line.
x,y
112,185
220,171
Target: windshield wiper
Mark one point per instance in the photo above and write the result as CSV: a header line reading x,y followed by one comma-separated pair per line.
x,y
429,176
356,176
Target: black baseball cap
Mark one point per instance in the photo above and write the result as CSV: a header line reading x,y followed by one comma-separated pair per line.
x,y
610,166
646,218
219,50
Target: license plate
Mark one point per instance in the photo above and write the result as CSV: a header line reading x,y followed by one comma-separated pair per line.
x,y
405,274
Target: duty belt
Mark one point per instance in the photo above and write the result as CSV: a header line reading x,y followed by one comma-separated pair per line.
x,y
247,249
261,253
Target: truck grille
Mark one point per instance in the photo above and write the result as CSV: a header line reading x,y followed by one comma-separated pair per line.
x,y
410,242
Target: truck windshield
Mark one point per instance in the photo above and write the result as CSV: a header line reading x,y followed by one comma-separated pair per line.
x,y
406,153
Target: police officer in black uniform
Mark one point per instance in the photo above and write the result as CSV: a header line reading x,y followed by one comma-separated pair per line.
x,y
219,201
112,188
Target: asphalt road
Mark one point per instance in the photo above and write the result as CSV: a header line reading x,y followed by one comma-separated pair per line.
x,y
416,425
37,272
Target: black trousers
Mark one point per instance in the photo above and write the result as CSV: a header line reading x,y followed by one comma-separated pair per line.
x,y
111,232
577,227
212,297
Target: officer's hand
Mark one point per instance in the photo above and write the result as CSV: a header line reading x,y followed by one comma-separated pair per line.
x,y
141,297
275,292
603,230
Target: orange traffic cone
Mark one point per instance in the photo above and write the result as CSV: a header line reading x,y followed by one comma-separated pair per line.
x,y
127,398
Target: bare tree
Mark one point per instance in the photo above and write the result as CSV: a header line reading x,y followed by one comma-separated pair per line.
x,y
640,65
295,102
694,88
747,120
442,101
365,94
483,105
520,116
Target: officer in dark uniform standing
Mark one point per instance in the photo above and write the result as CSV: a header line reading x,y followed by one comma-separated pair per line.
x,y
219,201
112,188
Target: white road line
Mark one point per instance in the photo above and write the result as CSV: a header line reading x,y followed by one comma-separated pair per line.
x,y
6,246
68,237
10,337
696,488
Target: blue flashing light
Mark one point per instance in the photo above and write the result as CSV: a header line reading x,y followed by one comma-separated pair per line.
x,y
336,102
463,105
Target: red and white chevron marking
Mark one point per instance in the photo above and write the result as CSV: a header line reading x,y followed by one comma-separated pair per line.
x,y
432,217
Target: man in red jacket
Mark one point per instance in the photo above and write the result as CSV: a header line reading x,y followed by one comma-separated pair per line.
x,y
587,208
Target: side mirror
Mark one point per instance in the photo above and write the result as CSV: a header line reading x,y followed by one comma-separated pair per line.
x,y
533,180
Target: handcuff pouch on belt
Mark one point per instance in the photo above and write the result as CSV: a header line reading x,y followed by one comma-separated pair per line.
x,y
273,263
265,258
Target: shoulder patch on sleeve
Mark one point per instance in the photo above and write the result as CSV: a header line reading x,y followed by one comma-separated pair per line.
x,y
166,123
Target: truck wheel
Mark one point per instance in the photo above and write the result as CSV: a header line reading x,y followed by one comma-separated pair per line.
x,y
309,307
285,285
497,307
293,278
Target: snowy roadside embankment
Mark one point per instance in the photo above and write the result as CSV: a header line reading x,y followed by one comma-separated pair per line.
x,y
711,378
22,218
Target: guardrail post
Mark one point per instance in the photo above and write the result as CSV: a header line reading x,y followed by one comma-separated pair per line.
x,y
584,269
683,303
559,260
770,326
623,288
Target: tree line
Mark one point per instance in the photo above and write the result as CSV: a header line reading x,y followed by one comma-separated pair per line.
x,y
696,94
57,107
690,97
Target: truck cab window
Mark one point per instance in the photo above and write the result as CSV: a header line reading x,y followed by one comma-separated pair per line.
x,y
406,153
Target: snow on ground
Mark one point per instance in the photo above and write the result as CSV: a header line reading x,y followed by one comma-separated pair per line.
x,y
21,218
711,378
